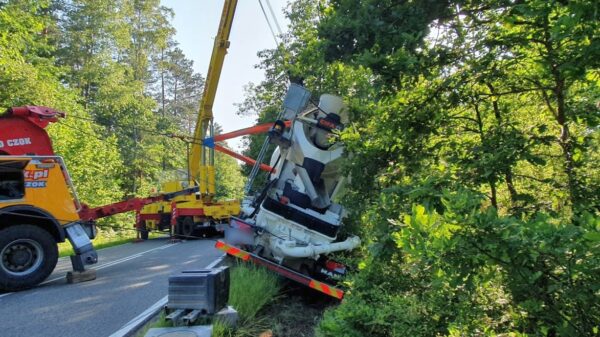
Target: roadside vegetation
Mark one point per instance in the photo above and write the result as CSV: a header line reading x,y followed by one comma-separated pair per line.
x,y
252,288
472,150
473,146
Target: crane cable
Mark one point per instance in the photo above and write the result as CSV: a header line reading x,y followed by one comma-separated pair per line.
x,y
181,137
83,132
123,127
269,22
142,156
64,222
274,17
281,49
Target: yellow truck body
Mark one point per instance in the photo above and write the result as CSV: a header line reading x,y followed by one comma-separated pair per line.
x,y
44,187
37,202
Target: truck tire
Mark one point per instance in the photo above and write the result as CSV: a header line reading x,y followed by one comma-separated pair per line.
x,y
28,254
187,227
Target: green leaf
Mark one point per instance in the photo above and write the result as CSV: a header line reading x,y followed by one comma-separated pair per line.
x,y
592,236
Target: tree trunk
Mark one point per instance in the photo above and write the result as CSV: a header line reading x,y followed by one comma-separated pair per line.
x,y
511,187
162,80
491,180
508,173
565,137
560,113
493,197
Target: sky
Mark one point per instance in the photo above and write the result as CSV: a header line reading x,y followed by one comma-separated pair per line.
x,y
196,23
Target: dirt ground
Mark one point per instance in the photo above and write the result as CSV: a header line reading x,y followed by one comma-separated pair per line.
x,y
296,312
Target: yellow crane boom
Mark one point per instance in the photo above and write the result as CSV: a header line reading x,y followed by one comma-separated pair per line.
x,y
202,164
198,214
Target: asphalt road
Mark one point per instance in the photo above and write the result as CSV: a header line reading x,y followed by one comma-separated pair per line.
x,y
130,279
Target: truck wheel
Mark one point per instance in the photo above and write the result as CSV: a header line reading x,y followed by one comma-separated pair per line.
x,y
187,227
28,254
144,232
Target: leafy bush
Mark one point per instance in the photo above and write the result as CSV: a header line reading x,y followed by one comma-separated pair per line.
x,y
466,271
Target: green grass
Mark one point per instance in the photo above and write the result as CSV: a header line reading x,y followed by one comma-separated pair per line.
x,y
65,249
252,287
107,239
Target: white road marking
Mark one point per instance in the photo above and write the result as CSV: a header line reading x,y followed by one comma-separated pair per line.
x,y
116,262
215,262
141,318
106,265
145,316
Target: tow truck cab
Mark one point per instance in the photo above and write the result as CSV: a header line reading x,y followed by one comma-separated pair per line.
x,y
37,204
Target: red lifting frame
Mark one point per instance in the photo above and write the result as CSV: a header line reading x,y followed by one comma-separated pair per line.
x,y
22,131
253,130
134,204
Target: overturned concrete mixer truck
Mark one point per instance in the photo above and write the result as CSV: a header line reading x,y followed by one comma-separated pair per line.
x,y
292,224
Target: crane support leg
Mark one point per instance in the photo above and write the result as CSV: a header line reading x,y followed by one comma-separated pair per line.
x,y
85,254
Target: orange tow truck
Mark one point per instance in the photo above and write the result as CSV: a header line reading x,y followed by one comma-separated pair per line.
x,y
39,206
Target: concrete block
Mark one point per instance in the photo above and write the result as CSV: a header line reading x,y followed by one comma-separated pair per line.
x,y
182,331
81,276
228,316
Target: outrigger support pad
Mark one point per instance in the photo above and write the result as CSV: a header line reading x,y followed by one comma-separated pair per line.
x,y
85,254
81,276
